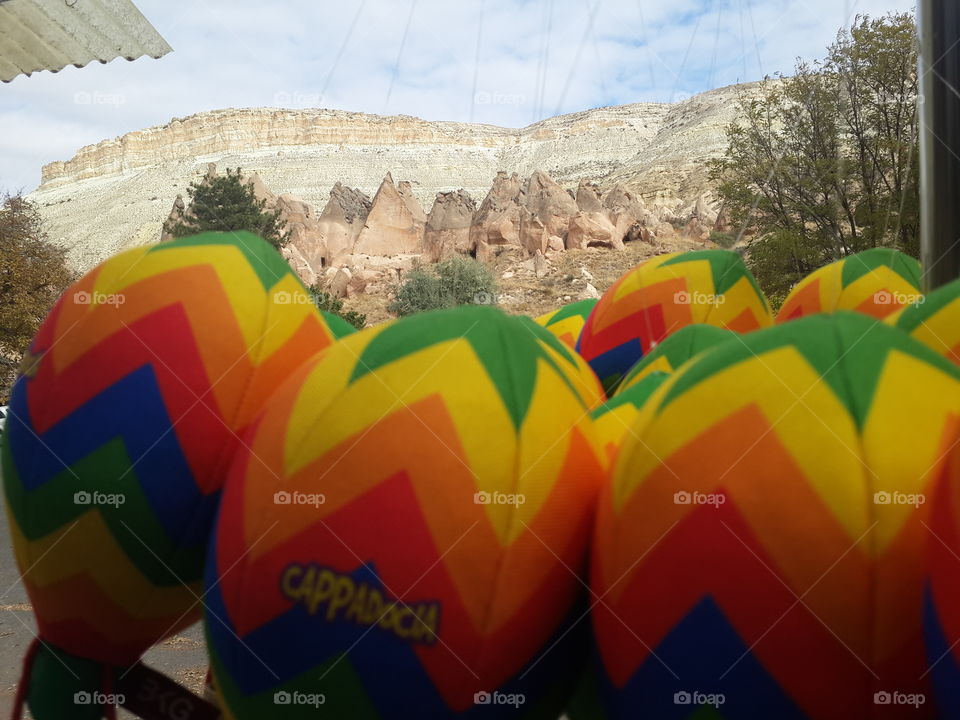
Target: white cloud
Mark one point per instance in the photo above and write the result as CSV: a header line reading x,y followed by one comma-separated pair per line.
x,y
243,53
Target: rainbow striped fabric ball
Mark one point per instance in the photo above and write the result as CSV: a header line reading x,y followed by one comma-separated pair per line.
x,y
875,282
934,320
662,295
405,535
759,548
130,405
673,352
567,322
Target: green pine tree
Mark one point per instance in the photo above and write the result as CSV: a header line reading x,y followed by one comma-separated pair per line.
x,y
225,203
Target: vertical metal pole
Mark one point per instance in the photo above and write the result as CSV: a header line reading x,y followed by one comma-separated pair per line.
x,y
938,24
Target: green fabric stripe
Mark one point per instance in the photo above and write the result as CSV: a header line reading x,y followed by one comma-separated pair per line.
x,y
862,263
918,313
101,471
265,261
637,395
505,346
338,326
681,346
847,349
726,267
582,308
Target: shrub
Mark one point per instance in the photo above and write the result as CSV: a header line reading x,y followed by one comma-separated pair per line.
x,y
329,304
452,282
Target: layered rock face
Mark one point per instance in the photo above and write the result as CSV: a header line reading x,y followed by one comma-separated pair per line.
x,y
117,193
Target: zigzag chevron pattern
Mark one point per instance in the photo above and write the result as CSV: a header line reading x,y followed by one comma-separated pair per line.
x,y
399,428
132,400
567,322
678,348
662,295
875,282
934,321
769,499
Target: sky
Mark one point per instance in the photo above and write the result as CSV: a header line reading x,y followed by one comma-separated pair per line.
x,y
503,62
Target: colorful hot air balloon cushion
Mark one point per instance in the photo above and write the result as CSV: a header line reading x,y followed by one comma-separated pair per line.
x,y
875,282
130,405
673,352
663,295
934,320
405,534
567,322
759,547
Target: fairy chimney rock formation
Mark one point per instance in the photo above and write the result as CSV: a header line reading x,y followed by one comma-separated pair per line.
x,y
448,226
589,197
497,221
550,203
177,212
392,227
341,221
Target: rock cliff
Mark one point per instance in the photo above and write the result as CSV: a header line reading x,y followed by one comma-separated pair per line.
x,y
117,193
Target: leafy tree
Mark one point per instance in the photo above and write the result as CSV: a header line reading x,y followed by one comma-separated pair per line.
x,y
328,303
33,274
455,281
825,163
225,202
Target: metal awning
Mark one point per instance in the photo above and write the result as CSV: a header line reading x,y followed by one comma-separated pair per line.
x,y
51,34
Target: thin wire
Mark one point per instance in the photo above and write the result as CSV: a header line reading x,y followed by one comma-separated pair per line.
x,y
756,42
343,47
396,65
596,53
646,44
683,65
476,61
541,101
576,59
541,62
716,45
743,42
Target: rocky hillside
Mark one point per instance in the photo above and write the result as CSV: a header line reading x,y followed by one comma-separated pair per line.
x,y
118,192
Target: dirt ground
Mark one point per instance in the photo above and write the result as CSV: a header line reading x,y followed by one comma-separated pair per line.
x,y
565,279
